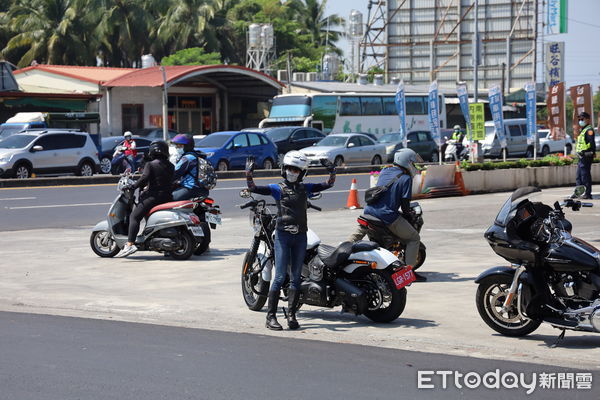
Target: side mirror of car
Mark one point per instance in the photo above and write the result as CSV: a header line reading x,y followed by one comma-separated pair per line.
x,y
37,148
350,145
245,193
237,146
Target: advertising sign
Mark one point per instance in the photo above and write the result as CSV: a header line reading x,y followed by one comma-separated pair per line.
x,y
556,17
556,110
434,112
477,120
581,96
495,96
555,63
400,101
463,98
530,112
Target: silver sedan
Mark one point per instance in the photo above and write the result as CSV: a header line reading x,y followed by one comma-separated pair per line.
x,y
346,148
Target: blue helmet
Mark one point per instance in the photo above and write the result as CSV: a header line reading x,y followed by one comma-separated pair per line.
x,y
185,140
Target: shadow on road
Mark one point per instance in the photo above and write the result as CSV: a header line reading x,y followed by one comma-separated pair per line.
x,y
443,277
209,255
347,321
574,342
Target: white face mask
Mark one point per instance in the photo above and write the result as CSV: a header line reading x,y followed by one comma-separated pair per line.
x,y
291,176
175,154
582,123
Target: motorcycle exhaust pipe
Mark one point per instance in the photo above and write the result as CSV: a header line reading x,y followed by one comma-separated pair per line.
x,y
354,297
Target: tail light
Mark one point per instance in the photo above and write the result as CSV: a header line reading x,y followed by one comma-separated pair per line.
x,y
208,200
362,222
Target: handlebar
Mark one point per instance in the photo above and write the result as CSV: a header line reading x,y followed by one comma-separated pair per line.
x,y
310,205
251,203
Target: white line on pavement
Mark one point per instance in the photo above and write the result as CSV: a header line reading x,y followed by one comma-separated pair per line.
x,y
60,205
18,198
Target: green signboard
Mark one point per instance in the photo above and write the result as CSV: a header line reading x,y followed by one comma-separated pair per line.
x,y
477,120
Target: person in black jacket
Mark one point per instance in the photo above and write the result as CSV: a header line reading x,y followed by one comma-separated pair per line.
x,y
157,179
291,196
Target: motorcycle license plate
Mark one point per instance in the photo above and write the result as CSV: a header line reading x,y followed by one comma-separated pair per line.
x,y
213,218
403,277
197,230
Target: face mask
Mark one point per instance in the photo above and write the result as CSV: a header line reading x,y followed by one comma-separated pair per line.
x,y
582,123
291,176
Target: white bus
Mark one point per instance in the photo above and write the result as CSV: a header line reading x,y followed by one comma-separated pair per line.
x,y
351,112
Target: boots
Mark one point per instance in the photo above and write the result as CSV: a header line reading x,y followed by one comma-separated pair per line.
x,y
293,300
272,312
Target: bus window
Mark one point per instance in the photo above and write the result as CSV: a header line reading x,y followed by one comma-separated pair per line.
x,y
371,105
416,105
389,106
349,106
323,110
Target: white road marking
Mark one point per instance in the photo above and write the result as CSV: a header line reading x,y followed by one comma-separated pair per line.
x,y
59,205
465,230
18,198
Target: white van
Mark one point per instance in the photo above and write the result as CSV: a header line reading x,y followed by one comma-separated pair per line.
x,y
515,131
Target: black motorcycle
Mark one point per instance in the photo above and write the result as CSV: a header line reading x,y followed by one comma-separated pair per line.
x,y
378,232
554,277
361,277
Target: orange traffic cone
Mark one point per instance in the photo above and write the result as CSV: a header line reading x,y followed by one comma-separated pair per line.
x,y
352,202
458,180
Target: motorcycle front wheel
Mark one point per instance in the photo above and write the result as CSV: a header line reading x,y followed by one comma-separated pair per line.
x,y
490,297
254,288
385,302
103,244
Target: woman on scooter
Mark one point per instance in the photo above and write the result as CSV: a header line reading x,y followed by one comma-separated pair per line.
x,y
157,179
194,175
291,197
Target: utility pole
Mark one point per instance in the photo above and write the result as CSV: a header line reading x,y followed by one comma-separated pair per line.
x,y
476,51
165,104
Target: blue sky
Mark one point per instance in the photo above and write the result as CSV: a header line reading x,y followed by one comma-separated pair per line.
x,y
582,61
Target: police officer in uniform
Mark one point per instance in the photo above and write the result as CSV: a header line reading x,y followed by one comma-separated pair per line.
x,y
586,150
459,136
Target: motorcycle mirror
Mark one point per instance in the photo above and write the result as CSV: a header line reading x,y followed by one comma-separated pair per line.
x,y
579,191
245,193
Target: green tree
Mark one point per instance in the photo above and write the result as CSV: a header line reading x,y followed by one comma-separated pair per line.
x,y
183,23
192,56
311,16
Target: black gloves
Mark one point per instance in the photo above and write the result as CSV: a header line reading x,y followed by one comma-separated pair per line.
x,y
250,164
328,165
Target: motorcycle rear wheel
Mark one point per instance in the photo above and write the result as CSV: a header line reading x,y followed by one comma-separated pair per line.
x,y
421,255
254,288
385,302
103,245
203,246
490,296
187,248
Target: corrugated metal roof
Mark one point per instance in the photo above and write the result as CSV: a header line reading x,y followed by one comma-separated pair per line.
x,y
97,75
344,87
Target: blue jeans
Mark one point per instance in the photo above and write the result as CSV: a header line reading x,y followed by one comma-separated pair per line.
x,y
184,193
289,248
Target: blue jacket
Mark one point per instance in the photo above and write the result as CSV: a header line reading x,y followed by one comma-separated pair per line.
x,y
387,208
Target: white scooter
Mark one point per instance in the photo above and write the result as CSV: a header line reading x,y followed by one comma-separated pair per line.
x,y
450,153
171,228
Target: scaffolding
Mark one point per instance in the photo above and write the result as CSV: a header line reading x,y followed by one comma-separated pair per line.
x,y
425,40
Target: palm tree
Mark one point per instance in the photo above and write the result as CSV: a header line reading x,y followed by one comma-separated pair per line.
x,y
311,15
183,23
50,31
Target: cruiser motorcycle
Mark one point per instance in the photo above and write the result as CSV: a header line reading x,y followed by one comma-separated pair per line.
x,y
360,277
377,231
554,277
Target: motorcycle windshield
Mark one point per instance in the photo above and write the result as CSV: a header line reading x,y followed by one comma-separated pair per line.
x,y
513,201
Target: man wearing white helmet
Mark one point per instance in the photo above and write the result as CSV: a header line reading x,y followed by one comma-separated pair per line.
x,y
130,149
396,198
291,197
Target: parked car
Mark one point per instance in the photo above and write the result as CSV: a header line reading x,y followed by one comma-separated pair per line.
x,y
547,145
108,145
515,131
229,150
346,148
48,151
153,133
419,141
288,138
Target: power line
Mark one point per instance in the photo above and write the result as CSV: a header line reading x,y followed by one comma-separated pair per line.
x,y
584,23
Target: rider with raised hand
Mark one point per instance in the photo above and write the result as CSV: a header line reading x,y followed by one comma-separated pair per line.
x,y
194,175
157,179
396,198
291,197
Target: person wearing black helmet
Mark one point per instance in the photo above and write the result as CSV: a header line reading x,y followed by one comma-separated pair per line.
x,y
586,150
291,196
157,181
194,176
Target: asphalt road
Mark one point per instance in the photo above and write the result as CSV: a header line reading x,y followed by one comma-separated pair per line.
x,y
75,206
48,357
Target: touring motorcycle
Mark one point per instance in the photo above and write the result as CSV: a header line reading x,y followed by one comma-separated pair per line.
x,y
361,277
554,277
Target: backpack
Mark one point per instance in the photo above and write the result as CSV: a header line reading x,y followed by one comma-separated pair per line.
x,y
205,173
374,194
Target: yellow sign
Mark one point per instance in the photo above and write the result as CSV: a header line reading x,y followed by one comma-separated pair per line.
x,y
477,120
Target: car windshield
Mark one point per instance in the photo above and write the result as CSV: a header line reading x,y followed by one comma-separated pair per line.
x,y
515,198
9,130
390,138
335,141
16,141
212,141
279,134
542,134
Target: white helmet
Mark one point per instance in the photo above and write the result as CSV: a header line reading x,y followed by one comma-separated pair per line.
x,y
296,159
128,134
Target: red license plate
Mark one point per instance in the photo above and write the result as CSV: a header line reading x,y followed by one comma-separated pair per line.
x,y
403,277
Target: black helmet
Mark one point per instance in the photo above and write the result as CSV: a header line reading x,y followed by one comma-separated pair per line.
x,y
158,149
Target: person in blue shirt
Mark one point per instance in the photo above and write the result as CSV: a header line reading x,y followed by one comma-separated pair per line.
x,y
393,207
291,197
194,176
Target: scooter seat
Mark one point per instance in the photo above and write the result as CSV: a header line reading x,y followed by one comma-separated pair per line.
x,y
373,220
168,206
332,256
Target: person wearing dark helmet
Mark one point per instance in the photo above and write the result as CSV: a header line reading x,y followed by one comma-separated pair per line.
x,y
586,150
194,176
393,208
157,181
291,197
